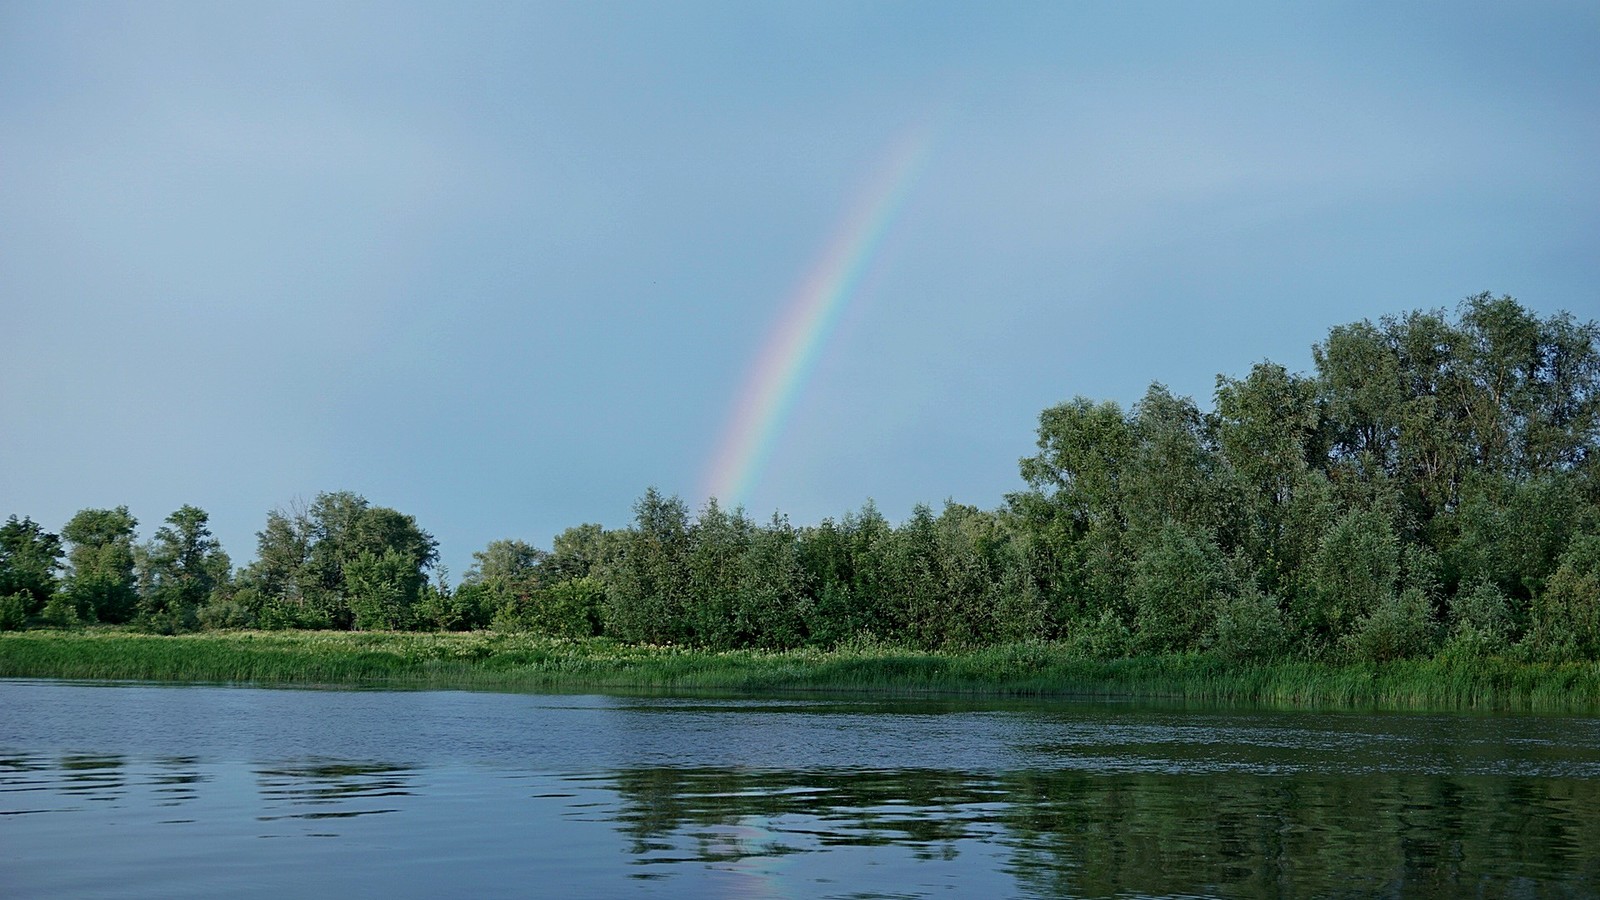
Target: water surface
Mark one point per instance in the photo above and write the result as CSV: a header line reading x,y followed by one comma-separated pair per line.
x,y
185,791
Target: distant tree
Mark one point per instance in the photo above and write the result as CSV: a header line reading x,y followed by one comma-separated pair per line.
x,y
648,594
1566,616
502,583
1178,585
848,568
718,542
583,551
100,582
29,560
304,554
771,591
183,565
379,590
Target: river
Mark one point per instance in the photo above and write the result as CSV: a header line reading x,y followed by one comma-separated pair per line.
x,y
133,790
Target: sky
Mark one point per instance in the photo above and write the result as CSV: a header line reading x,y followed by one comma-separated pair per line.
x,y
505,266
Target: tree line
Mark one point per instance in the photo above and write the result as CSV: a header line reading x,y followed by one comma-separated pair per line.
x,y
1433,485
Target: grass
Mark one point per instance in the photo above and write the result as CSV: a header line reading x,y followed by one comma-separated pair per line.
x,y
521,661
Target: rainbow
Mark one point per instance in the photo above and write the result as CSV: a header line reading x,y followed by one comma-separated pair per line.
x,y
796,342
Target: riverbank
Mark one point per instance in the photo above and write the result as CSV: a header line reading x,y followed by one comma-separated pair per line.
x,y
521,661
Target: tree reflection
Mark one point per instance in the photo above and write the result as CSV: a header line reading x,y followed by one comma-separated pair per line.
x,y
1080,834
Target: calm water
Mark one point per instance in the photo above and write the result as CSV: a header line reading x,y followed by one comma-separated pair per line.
x,y
146,791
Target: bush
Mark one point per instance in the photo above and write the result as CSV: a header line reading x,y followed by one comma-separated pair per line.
x,y
568,608
223,613
1106,637
1566,617
379,589
1480,621
14,610
278,613
1174,590
61,612
1399,627
173,620
1353,575
1250,628
440,609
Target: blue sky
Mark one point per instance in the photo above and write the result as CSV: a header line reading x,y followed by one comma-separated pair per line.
x,y
503,266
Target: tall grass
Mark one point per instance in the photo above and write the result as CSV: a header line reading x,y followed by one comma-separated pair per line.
x,y
487,659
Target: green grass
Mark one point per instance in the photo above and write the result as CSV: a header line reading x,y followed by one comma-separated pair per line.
x,y
520,661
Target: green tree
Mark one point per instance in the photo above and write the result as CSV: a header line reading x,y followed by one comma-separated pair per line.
x,y
1177,587
183,565
1076,503
1566,616
648,593
717,544
1356,570
502,583
29,560
380,590
304,552
771,591
847,567
100,581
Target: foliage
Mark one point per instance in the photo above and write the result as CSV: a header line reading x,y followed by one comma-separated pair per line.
x,y
1250,627
1481,622
306,555
1566,617
1430,489
14,610
100,583
29,558
181,568
1178,579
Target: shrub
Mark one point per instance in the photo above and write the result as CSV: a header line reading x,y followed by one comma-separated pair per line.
x,y
1353,574
14,610
1398,627
61,612
1106,637
1480,621
1250,628
223,613
1566,617
1175,585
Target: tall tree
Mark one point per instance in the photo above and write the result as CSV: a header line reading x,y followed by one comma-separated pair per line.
x,y
304,554
29,560
649,592
100,582
184,563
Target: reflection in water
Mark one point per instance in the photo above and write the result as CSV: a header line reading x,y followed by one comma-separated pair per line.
x,y
605,797
1076,834
94,778
22,778
176,779
336,790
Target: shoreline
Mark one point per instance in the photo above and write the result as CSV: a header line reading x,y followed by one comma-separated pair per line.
x,y
519,661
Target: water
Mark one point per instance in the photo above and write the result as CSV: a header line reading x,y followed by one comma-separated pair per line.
x,y
157,791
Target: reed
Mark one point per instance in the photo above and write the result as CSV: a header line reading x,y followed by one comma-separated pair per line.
x,y
522,661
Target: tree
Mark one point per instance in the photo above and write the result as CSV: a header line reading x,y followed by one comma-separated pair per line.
x,y
378,589
183,565
771,589
1176,590
100,581
501,584
303,556
29,559
649,592
1566,616
718,541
